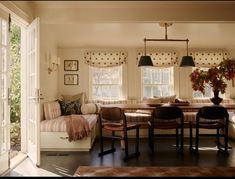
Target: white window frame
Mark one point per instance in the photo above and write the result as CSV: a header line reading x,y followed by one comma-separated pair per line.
x,y
121,84
171,89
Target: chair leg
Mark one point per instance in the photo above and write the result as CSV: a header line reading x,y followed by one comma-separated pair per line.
x,y
177,138
136,153
126,144
102,152
151,138
182,139
197,138
217,138
226,140
137,141
101,143
113,134
190,136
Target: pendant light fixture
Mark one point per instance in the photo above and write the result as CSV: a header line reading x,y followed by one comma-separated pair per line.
x,y
145,60
186,60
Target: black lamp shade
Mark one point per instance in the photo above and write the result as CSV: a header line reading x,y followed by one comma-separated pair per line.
x,y
187,61
145,61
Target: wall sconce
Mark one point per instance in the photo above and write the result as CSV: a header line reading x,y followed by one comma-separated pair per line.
x,y
54,63
187,61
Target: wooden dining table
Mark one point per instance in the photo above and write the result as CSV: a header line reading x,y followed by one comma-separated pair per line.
x,y
185,107
193,108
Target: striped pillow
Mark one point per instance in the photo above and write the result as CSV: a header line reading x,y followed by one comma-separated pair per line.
x,y
90,108
52,110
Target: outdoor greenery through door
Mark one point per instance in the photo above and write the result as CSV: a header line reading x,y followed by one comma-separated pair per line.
x,y
15,88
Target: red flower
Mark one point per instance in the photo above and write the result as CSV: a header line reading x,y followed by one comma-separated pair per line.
x,y
215,77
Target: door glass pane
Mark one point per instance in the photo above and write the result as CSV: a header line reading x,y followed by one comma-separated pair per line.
x,y
33,40
3,113
32,62
4,147
4,58
4,32
3,86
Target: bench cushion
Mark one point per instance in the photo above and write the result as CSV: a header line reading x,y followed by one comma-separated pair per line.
x,y
51,110
59,124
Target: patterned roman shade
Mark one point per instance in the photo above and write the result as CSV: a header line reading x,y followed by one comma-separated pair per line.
x,y
105,59
208,59
161,59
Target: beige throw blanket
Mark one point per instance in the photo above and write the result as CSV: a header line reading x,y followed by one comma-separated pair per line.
x,y
77,127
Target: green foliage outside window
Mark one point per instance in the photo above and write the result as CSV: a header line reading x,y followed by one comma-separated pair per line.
x,y
15,87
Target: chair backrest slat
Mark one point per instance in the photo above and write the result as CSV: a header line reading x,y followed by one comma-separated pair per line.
x,y
111,114
212,112
168,112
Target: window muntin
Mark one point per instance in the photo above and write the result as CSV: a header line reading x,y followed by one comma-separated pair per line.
x,y
157,81
106,83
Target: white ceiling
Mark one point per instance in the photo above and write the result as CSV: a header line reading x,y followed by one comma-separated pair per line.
x,y
200,35
131,34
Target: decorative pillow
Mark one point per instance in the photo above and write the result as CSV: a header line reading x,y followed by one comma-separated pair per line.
x,y
51,110
79,96
90,108
70,107
166,99
151,100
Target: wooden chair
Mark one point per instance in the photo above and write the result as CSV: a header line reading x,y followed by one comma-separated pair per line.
x,y
167,117
216,118
113,119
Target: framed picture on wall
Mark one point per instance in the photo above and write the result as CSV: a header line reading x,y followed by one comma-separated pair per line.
x,y
71,79
71,65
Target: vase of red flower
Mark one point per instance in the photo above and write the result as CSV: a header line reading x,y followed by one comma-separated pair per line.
x,y
216,99
215,77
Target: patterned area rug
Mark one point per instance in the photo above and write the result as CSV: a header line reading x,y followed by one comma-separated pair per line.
x,y
155,171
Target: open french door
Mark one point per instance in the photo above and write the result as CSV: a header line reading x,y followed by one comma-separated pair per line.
x,y
4,93
32,92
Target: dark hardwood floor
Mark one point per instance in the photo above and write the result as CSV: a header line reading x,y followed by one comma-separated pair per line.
x,y
66,163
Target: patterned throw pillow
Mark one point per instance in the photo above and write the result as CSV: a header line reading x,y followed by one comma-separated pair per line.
x,y
70,107
79,96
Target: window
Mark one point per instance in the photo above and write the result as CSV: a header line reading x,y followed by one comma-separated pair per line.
x,y
208,89
157,81
106,83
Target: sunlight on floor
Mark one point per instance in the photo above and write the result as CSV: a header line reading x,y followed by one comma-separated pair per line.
x,y
27,168
62,170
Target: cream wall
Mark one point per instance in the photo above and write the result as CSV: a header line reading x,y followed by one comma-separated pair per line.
x,y
83,72
48,48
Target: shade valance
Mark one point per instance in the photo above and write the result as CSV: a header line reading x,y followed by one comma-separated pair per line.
x,y
105,58
161,59
208,59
